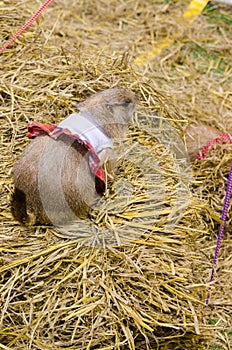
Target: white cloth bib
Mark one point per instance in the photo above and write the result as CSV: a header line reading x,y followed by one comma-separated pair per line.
x,y
88,130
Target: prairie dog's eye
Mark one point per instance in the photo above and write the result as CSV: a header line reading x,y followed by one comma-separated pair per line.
x,y
126,103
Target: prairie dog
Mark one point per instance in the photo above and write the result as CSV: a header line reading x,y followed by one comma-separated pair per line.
x,y
197,136
52,178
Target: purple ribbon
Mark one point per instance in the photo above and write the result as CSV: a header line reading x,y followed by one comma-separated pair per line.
x,y
221,230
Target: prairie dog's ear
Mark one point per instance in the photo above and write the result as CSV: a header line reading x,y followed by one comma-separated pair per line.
x,y
80,106
110,107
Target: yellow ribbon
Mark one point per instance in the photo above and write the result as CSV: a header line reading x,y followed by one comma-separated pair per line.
x,y
192,11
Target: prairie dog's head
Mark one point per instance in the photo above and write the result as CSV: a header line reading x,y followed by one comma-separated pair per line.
x,y
197,136
111,106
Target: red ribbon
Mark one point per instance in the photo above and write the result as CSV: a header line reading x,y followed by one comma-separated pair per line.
x,y
35,129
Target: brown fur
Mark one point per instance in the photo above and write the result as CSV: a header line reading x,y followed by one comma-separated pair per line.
x,y
197,136
53,183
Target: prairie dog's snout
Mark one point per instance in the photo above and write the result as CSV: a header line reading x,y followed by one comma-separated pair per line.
x,y
53,178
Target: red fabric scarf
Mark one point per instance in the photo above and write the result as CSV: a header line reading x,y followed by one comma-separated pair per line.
x,y
36,129
211,145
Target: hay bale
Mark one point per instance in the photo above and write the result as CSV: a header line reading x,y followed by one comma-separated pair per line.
x,y
57,292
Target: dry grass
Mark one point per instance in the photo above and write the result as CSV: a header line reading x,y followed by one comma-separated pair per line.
x,y
148,293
